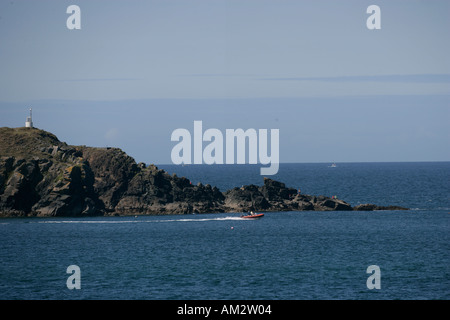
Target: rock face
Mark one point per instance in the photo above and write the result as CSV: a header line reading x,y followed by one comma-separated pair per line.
x,y
41,176
275,196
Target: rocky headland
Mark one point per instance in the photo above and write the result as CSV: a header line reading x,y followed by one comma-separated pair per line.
x,y
42,176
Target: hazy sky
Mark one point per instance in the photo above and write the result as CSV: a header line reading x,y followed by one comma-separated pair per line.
x,y
137,70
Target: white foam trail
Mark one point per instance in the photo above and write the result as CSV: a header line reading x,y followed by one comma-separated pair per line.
x,y
84,221
208,219
146,221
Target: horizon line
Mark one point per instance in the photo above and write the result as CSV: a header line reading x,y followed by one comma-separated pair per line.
x,y
319,162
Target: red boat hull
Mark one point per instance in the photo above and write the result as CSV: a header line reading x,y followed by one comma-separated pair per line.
x,y
255,216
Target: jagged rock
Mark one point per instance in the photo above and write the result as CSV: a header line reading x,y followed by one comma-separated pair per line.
x,y
41,176
325,204
246,198
19,185
154,191
275,191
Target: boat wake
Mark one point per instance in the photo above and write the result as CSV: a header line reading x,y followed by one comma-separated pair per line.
x,y
206,219
137,220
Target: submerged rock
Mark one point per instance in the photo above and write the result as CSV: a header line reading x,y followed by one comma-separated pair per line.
x,y
373,207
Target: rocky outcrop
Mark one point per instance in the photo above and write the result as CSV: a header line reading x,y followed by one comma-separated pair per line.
x,y
41,176
51,178
47,187
275,196
154,191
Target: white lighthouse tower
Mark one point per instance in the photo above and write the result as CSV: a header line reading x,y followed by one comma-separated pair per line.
x,y
29,122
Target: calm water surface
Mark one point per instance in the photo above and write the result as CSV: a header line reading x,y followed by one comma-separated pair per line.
x,y
285,255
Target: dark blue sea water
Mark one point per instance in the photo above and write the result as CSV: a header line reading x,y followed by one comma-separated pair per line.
x,y
285,255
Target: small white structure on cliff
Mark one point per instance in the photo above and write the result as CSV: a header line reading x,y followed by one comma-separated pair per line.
x,y
29,122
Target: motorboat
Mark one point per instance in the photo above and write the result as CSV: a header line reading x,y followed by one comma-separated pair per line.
x,y
253,216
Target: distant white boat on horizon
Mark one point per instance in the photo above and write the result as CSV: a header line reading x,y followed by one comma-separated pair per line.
x,y
333,165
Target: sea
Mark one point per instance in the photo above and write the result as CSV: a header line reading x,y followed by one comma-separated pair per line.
x,y
282,256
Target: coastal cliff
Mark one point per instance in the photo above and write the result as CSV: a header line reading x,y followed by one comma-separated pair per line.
x,y
42,176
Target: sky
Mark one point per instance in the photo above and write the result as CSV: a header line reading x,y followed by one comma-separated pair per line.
x,y
138,70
